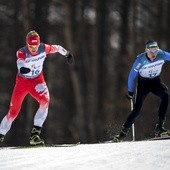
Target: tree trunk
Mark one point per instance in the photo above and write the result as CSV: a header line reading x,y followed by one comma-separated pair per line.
x,y
70,32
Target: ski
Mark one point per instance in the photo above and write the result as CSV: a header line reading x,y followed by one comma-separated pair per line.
x,y
163,137
160,138
42,146
111,141
63,145
107,141
67,145
149,139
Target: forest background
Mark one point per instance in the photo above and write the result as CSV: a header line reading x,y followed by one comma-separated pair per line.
x,y
88,101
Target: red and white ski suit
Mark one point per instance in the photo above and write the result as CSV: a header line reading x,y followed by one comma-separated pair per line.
x,y
32,83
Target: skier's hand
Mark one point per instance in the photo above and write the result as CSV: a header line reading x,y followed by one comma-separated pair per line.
x,y
69,58
24,70
129,96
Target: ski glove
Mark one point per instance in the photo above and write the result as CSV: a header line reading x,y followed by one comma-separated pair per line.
x,y
69,58
24,70
129,96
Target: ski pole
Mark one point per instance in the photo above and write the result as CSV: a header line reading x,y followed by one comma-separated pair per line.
x,y
133,126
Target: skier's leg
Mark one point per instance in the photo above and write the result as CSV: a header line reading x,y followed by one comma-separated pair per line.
x,y
140,96
162,92
15,106
41,94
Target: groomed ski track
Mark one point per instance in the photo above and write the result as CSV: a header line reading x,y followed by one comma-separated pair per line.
x,y
143,155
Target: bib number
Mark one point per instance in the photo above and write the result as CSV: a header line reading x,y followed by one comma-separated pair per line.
x,y
153,73
35,72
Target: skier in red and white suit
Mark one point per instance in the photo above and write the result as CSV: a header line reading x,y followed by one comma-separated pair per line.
x,y
30,80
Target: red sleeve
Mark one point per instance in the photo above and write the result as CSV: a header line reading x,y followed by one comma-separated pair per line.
x,y
50,48
20,55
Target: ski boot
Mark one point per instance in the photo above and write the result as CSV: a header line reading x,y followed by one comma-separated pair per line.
x,y
35,137
121,136
160,131
1,138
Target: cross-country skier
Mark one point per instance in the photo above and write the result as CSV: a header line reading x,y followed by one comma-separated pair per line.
x,y
147,67
30,80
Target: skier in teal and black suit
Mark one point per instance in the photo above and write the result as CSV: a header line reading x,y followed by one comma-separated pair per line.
x,y
147,67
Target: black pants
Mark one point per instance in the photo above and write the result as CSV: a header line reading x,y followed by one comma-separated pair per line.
x,y
144,87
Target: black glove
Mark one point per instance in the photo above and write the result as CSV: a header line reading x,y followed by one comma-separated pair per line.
x,y
24,70
69,58
129,96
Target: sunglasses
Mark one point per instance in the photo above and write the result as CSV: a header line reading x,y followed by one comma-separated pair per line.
x,y
153,51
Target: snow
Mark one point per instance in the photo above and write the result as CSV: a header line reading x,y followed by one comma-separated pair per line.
x,y
143,155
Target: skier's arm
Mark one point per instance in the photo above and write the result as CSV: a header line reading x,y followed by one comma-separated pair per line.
x,y
166,56
20,62
131,80
132,75
57,48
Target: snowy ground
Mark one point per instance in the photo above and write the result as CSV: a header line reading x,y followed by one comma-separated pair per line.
x,y
147,155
